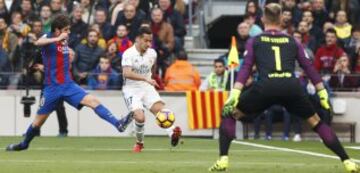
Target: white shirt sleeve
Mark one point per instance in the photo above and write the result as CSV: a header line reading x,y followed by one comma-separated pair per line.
x,y
126,60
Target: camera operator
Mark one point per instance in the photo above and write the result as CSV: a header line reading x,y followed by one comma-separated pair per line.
x,y
31,55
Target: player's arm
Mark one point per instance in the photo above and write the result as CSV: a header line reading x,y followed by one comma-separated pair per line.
x,y
313,75
45,41
243,76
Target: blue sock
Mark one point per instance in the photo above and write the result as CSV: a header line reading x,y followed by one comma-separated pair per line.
x,y
106,115
29,135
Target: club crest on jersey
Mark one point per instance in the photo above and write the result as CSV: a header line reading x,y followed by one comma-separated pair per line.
x,y
63,49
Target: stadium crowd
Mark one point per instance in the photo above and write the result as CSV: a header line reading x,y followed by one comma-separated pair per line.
x,y
102,30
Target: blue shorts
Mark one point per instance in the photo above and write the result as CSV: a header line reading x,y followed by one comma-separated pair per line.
x,y
52,95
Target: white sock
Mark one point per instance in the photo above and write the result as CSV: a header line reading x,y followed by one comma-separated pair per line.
x,y
139,131
170,130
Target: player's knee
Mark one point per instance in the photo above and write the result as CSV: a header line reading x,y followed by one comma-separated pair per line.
x,y
91,101
227,127
139,116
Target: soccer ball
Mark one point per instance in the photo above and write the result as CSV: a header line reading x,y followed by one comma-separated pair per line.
x,y
165,118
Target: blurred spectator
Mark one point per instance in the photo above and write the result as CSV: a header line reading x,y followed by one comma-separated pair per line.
x,y
131,19
103,76
217,80
254,28
252,8
327,55
180,6
146,5
353,46
319,13
29,53
342,27
86,56
13,5
38,4
116,7
139,11
357,62
163,36
78,26
45,15
286,22
5,67
341,79
56,7
88,8
296,12
272,113
8,40
101,42
307,39
298,37
173,17
18,27
106,28
157,78
182,75
4,13
121,40
27,11
313,29
242,37
354,12
114,56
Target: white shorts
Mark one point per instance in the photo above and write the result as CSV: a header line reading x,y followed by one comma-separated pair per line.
x,y
140,97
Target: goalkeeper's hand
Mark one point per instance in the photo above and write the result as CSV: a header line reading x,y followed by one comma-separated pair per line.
x,y
231,102
324,99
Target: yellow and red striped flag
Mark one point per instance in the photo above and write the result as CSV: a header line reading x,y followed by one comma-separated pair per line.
x,y
204,108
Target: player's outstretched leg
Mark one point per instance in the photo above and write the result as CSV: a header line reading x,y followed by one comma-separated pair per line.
x,y
227,134
125,121
173,131
31,132
332,142
101,111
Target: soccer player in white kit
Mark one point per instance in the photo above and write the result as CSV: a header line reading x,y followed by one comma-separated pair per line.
x,y
139,90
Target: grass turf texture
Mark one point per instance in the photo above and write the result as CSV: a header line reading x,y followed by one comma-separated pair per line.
x,y
98,155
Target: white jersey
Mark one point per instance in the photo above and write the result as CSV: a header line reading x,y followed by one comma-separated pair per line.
x,y
140,64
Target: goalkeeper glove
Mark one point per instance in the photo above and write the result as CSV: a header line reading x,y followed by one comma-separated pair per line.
x,y
231,102
324,99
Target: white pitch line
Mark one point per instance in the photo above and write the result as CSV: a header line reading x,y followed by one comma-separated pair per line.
x,y
158,162
290,150
353,147
123,149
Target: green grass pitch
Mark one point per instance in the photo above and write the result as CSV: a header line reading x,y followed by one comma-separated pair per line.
x,y
113,155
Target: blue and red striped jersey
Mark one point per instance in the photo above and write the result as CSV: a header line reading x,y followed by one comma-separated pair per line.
x,y
56,63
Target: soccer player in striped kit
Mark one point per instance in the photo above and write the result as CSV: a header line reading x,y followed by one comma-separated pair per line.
x,y
58,82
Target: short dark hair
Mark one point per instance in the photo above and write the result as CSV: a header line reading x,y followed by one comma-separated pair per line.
x,y
330,30
181,55
355,28
59,22
144,30
93,30
34,21
103,10
219,60
297,32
